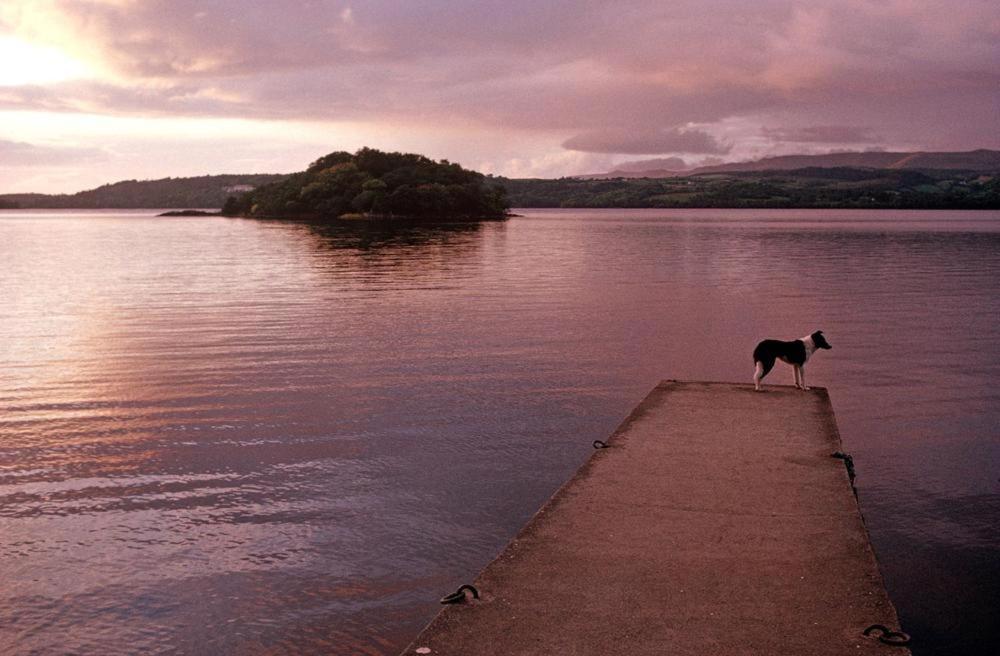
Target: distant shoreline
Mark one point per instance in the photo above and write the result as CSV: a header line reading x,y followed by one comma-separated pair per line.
x,y
179,212
808,188
516,214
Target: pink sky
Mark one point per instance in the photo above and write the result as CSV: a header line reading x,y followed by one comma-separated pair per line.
x,y
93,91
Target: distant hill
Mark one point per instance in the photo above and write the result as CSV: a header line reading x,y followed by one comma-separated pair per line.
x,y
207,191
986,161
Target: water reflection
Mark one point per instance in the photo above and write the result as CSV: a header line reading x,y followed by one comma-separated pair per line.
x,y
383,236
235,436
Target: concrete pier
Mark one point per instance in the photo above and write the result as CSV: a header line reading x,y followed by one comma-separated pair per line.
x,y
715,523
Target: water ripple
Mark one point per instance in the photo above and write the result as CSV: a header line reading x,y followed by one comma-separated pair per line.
x,y
250,437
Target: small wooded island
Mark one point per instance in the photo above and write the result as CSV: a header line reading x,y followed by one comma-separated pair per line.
x,y
377,185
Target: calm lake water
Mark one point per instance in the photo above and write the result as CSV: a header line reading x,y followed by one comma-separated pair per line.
x,y
223,436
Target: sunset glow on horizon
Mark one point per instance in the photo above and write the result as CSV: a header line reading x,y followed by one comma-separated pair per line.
x,y
101,90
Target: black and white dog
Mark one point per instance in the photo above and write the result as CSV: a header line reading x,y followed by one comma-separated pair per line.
x,y
794,353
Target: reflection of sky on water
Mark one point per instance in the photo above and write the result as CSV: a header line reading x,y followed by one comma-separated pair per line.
x,y
267,437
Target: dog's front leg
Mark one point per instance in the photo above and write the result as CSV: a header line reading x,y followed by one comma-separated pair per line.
x,y
802,378
797,370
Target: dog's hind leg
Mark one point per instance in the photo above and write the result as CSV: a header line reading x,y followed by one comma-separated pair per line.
x,y
760,371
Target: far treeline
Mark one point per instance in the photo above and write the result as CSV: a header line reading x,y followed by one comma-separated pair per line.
x,y
842,187
204,191
372,183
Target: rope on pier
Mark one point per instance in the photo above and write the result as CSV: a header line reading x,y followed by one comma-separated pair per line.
x,y
848,462
598,444
887,636
458,596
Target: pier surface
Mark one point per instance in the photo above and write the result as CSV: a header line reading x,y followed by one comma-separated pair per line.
x,y
715,523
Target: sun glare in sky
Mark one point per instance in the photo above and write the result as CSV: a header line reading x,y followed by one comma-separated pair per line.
x,y
27,63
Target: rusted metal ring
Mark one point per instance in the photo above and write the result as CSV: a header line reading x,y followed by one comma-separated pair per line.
x,y
598,444
458,596
888,636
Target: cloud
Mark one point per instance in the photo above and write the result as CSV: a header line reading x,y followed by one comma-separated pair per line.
x,y
822,134
657,164
559,164
652,142
86,96
17,153
592,76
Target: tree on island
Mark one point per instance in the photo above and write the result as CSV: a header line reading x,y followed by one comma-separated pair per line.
x,y
373,183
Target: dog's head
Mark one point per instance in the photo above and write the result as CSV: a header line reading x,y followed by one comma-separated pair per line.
x,y
819,340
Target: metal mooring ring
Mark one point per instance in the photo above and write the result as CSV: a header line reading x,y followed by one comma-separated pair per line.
x,y
600,445
889,637
458,596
